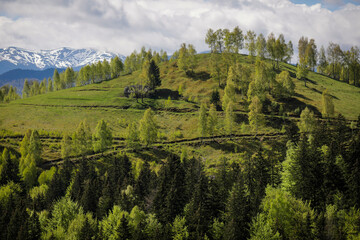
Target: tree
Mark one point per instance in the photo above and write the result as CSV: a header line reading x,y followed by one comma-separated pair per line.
x,y
260,46
322,61
116,66
154,75
179,229
237,212
148,128
327,104
106,69
210,39
229,118
238,40
26,89
229,90
307,121
311,54
102,138
256,118
202,120
69,77
212,120
334,53
219,41
82,139
132,135
301,72
250,44
50,85
56,79
354,63
286,84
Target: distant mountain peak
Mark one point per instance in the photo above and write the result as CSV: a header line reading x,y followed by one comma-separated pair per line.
x,y
14,57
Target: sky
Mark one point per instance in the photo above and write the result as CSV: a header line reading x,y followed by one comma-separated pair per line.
x,y
122,26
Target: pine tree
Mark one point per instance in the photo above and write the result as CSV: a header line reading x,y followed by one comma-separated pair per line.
x,y
82,139
237,214
256,118
202,120
66,146
132,135
106,70
229,95
229,118
50,85
26,89
148,128
56,80
116,67
102,138
153,75
212,120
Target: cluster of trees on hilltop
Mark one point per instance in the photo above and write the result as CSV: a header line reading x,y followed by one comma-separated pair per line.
x,y
8,93
93,73
308,189
136,60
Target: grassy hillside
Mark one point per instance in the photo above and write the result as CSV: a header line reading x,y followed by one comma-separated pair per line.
x,y
61,111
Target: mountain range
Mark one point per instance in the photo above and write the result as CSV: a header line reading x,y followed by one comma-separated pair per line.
x,y
13,62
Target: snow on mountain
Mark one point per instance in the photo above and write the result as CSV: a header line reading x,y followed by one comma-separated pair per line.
x,y
13,57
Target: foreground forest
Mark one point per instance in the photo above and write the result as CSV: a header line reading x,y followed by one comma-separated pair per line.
x,y
196,146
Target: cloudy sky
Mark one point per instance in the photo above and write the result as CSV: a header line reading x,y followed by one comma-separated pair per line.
x,y
124,25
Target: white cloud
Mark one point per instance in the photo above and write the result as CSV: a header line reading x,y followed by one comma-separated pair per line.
x,y
125,25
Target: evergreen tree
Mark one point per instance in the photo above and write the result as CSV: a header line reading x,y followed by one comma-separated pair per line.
x,y
56,80
132,135
26,89
102,138
256,118
250,45
202,120
229,95
82,139
116,67
148,128
229,118
212,120
66,146
236,214
50,85
153,75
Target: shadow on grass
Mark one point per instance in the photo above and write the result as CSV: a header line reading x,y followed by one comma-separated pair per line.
x,y
202,75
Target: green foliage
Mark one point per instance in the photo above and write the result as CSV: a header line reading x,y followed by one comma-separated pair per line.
x,y
229,91
287,86
179,229
148,128
66,146
256,118
102,138
38,192
307,121
46,176
132,135
187,60
110,226
328,108
82,139
229,118
281,212
202,120
212,120
9,192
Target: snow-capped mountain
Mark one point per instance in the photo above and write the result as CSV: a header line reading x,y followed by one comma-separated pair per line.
x,y
18,58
